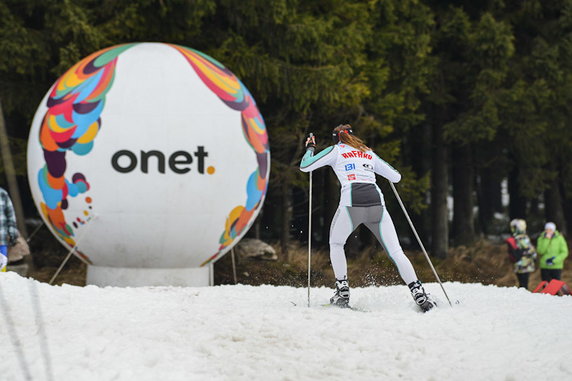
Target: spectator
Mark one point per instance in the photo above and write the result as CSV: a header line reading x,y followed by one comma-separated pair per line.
x,y
521,252
8,229
553,250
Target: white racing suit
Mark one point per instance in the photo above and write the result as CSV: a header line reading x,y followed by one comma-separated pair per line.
x,y
361,201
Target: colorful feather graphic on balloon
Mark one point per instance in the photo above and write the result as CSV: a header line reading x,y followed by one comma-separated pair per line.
x,y
70,125
236,96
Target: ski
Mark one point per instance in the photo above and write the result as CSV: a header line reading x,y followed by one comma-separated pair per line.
x,y
348,307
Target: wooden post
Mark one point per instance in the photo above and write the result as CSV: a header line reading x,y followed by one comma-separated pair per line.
x,y
11,175
233,265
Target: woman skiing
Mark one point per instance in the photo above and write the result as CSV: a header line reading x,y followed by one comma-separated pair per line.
x,y
361,201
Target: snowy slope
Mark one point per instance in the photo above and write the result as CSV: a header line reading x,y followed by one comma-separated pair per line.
x,y
257,333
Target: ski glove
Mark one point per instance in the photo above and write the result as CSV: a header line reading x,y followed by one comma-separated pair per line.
x,y
311,142
550,261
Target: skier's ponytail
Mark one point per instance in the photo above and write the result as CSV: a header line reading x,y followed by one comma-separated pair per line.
x,y
344,134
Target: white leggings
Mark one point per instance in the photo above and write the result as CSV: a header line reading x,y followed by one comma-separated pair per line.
x,y
378,220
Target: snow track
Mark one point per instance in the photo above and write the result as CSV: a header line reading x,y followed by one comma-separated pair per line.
x,y
256,333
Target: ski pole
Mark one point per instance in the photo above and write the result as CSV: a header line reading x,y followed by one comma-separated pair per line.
x,y
72,251
309,230
34,232
419,240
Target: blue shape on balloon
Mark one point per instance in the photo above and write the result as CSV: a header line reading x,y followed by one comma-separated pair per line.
x,y
253,193
83,121
82,149
76,188
51,196
63,122
87,87
72,189
259,123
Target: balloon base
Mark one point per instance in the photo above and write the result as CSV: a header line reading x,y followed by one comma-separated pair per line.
x,y
140,277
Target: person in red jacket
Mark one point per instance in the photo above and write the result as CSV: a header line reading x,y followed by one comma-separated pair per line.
x,y
521,252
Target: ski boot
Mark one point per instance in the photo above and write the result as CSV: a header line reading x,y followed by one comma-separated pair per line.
x,y
341,296
421,298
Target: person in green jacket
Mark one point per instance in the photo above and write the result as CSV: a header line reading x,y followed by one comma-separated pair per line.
x,y
553,250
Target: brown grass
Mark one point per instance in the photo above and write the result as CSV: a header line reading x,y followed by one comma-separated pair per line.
x,y
484,262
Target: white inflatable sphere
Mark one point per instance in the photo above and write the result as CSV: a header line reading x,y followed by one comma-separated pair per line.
x,y
148,155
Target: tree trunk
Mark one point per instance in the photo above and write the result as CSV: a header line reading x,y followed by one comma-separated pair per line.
x,y
11,176
490,198
534,209
439,185
517,203
420,143
553,206
463,176
286,219
567,204
257,223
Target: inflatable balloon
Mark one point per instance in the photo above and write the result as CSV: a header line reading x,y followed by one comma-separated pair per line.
x,y
151,160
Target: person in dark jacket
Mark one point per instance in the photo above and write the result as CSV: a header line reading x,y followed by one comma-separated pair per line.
x,y
521,252
8,228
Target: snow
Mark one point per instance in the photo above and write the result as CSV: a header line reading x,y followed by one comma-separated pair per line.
x,y
268,333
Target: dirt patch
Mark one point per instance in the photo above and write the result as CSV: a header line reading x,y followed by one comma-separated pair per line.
x,y
484,262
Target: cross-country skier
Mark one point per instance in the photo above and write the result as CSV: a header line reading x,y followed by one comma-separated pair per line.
x,y
361,202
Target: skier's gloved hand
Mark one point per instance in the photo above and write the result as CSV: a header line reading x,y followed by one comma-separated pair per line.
x,y
550,261
311,142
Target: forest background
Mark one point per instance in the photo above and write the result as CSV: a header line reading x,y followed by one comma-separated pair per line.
x,y
469,100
